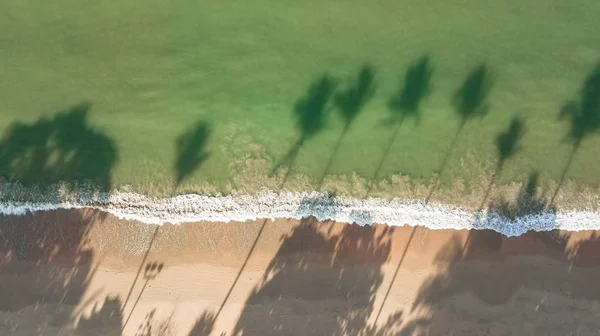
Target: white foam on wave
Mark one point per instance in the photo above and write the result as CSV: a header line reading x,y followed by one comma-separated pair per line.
x,y
193,207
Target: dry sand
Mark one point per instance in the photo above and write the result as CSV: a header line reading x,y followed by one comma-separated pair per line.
x,y
85,272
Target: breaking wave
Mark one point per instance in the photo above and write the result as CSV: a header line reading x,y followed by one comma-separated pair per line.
x,y
323,206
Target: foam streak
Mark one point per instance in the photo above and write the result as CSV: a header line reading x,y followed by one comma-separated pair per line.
x,y
192,208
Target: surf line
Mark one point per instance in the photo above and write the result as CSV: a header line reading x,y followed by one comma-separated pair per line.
x,y
321,205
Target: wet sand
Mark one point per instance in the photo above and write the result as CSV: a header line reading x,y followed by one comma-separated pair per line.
x,y
84,272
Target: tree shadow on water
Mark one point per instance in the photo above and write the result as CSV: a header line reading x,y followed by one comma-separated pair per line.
x,y
506,147
507,141
64,148
584,117
406,103
529,206
311,118
190,150
527,202
349,103
470,101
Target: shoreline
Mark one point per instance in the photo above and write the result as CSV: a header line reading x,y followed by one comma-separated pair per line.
x,y
320,205
81,271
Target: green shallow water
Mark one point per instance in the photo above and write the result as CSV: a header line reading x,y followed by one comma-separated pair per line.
x,y
150,72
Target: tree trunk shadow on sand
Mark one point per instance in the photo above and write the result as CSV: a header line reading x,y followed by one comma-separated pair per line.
x,y
310,112
470,101
500,283
274,293
344,263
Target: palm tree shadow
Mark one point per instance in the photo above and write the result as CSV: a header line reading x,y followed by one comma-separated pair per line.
x,y
204,325
190,149
498,270
415,87
106,320
64,148
54,245
311,116
480,243
584,116
470,101
406,103
350,103
507,145
507,141
528,201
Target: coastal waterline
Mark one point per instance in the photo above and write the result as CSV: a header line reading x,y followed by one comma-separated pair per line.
x,y
322,206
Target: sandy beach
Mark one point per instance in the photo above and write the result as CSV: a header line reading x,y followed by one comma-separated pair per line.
x,y
85,272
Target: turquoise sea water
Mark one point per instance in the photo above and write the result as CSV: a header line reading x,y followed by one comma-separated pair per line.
x,y
120,93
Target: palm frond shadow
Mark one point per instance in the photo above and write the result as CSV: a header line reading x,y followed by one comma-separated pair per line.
x,y
64,148
583,115
204,325
106,320
497,269
406,103
469,101
350,102
347,262
311,113
507,145
190,149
